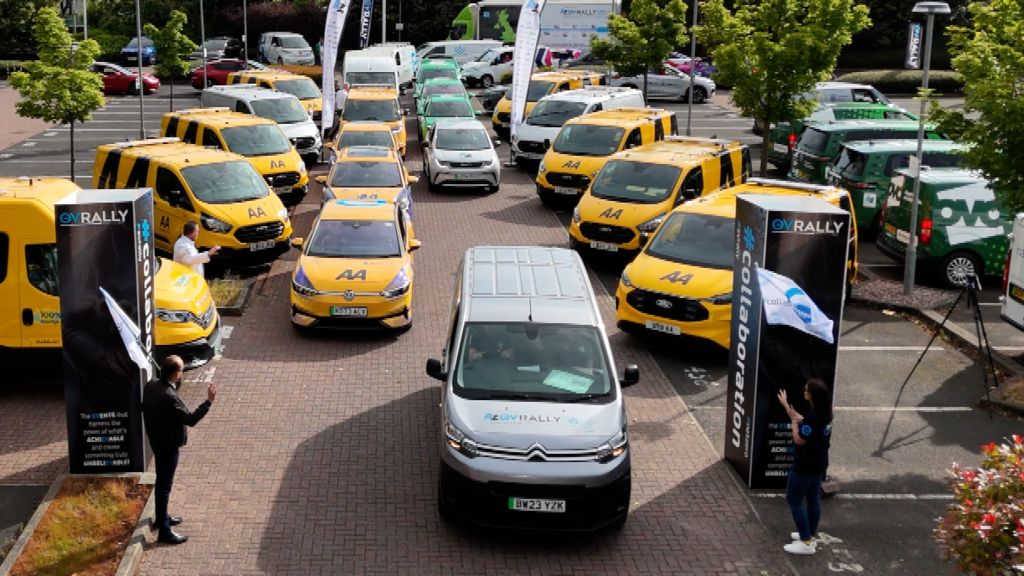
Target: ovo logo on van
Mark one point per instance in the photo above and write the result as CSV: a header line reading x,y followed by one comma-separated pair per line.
x,y
980,220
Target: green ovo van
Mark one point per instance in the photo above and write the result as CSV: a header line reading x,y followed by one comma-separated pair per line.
x,y
865,168
820,143
961,229
785,135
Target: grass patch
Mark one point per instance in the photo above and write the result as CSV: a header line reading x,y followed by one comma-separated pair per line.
x,y
85,529
225,291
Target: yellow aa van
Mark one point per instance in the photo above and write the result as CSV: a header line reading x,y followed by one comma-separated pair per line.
x,y
585,143
220,190
375,104
681,283
261,141
187,323
302,87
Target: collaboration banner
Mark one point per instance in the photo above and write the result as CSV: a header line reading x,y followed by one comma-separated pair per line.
x,y
913,61
364,23
106,266
336,13
789,281
527,35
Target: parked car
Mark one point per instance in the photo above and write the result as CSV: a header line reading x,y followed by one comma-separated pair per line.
x,y
130,53
118,80
220,47
217,71
704,66
460,153
833,92
489,98
668,83
285,48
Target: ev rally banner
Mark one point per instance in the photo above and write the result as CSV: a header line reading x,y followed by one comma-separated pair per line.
x,y
364,23
913,61
527,35
336,14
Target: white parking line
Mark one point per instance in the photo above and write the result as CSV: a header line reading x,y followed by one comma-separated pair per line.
x,y
845,496
28,144
889,348
922,409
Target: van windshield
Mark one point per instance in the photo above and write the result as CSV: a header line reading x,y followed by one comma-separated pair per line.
x,y
366,138
588,140
256,140
448,109
370,78
371,110
294,42
696,239
281,110
554,112
429,89
538,362
537,90
366,175
637,182
225,182
301,88
429,73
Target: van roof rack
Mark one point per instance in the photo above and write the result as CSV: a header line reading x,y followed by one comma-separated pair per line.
x,y
191,111
790,184
146,142
722,142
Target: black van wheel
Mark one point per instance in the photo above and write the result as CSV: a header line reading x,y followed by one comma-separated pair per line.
x,y
443,509
957,266
700,95
486,81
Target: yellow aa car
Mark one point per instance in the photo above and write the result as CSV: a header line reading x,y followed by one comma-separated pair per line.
x,y
298,85
541,85
681,283
369,173
356,269
375,104
362,134
635,189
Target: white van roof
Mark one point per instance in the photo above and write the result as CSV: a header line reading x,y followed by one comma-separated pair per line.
x,y
280,34
593,94
470,42
528,284
250,92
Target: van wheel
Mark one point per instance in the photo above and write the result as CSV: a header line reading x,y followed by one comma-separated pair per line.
x,y
486,81
700,95
210,83
957,266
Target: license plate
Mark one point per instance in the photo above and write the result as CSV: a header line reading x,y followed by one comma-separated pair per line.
x,y
264,245
606,246
282,189
536,505
359,311
565,190
529,156
466,176
663,328
780,148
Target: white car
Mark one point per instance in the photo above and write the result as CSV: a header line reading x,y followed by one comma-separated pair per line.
x,y
285,48
668,83
489,68
460,154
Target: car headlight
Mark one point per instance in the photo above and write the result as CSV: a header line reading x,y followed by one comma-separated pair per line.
x,y
625,280
396,129
282,215
720,299
651,225
542,168
302,167
613,448
398,286
576,215
214,225
302,285
174,316
458,440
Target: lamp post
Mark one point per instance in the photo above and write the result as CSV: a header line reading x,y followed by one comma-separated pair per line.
x,y
384,22
202,42
138,81
693,68
245,33
930,9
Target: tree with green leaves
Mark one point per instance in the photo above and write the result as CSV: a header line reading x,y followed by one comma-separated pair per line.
x,y
773,51
989,55
173,46
59,86
642,39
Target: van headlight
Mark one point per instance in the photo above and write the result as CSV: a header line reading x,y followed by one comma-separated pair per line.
x,y
302,167
396,129
302,285
650,225
214,225
282,215
458,440
576,215
174,316
613,448
542,168
398,286
625,280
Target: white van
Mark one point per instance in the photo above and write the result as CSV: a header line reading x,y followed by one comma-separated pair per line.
x,y
285,48
462,51
545,120
489,67
405,58
280,107
369,68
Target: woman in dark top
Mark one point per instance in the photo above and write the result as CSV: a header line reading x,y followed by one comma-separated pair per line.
x,y
811,435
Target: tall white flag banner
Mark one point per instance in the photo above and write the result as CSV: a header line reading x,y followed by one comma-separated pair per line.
x,y
364,23
129,333
336,14
527,35
786,303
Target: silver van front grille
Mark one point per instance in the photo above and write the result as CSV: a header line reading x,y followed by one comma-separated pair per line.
x,y
537,452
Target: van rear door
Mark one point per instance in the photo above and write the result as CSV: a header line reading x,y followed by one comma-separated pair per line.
x,y
10,301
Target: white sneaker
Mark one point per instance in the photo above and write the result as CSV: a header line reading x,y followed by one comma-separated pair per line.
x,y
800,548
796,537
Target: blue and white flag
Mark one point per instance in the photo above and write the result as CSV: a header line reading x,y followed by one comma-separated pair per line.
x,y
129,333
786,303
337,10
364,23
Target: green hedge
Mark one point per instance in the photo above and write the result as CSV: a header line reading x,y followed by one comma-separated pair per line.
x,y
110,46
8,66
906,81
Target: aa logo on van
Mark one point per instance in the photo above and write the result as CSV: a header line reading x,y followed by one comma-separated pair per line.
x,y
968,213
277,163
352,274
256,212
677,276
609,213
574,164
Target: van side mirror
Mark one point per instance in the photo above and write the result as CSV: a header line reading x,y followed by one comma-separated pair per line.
x,y
321,179
414,244
643,239
434,369
298,243
413,179
630,376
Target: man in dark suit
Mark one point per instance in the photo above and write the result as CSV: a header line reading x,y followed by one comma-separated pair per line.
x,y
166,417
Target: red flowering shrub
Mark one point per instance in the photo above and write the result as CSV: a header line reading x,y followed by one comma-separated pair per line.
x,y
983,531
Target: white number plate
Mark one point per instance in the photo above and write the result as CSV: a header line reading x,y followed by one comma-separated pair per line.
x,y
466,176
282,189
529,156
664,328
359,311
536,505
565,190
780,148
606,246
264,245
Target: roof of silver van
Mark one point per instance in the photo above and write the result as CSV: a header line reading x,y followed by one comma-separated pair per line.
x,y
591,93
249,92
527,284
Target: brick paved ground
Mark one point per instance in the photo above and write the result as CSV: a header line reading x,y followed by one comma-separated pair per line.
x,y
321,453
15,128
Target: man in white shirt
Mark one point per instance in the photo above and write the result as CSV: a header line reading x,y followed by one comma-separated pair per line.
x,y
185,252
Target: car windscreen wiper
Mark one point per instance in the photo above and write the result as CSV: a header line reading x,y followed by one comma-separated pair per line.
x,y
585,398
518,396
